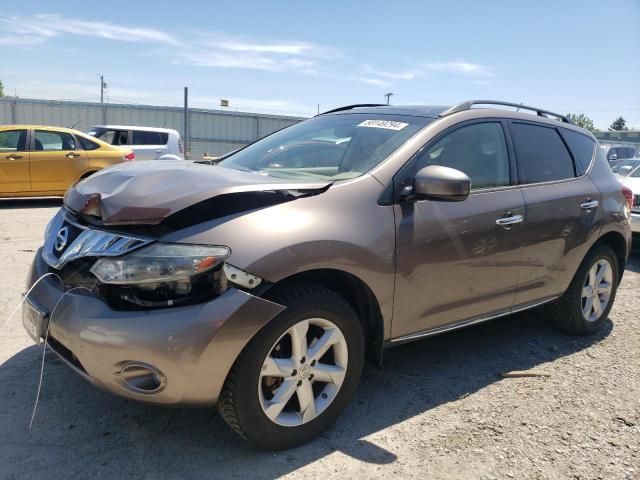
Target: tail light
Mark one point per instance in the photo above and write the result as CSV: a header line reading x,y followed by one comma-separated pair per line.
x,y
129,157
628,195
180,146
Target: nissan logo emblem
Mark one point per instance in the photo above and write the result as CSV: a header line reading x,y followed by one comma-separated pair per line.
x,y
61,238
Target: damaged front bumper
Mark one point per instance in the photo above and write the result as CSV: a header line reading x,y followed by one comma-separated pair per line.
x,y
171,356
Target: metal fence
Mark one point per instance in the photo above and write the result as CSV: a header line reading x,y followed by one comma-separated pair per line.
x,y
214,132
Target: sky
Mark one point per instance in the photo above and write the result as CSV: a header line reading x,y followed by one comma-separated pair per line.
x,y
295,58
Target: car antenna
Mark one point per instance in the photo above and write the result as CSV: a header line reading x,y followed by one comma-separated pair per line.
x,y
75,124
164,124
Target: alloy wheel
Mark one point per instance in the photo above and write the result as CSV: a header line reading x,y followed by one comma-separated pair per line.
x,y
596,291
303,372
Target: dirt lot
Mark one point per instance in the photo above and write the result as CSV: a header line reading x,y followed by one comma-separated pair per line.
x,y
437,409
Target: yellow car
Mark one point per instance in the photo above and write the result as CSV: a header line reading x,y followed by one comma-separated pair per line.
x,y
43,161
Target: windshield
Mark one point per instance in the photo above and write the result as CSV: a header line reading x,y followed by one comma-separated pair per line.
x,y
330,147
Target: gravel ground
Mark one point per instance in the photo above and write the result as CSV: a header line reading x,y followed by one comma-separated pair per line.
x,y
437,409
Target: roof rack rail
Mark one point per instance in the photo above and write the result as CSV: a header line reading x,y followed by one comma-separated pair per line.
x,y
469,103
350,107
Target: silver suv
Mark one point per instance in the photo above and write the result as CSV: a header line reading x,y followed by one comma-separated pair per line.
x,y
148,143
261,285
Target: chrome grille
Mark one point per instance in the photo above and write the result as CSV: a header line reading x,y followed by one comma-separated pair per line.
x,y
87,243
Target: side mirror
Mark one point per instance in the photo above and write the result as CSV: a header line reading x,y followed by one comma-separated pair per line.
x,y
436,182
613,156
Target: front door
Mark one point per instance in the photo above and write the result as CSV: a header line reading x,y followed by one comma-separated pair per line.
x,y
459,261
56,161
14,162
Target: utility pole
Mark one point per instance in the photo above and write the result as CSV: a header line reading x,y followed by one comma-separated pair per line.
x,y
388,95
104,107
185,133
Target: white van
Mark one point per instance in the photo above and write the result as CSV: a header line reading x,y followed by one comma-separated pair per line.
x,y
148,143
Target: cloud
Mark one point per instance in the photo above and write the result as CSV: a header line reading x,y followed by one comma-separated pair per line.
x,y
462,67
287,49
371,81
41,27
399,75
224,50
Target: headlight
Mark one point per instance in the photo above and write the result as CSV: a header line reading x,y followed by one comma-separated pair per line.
x,y
159,262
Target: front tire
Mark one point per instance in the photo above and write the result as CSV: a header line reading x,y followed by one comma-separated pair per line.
x,y
586,304
296,376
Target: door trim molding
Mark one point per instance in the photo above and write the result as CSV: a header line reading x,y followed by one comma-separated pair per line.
x,y
465,323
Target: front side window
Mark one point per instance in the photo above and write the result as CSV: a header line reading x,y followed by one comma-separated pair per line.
x,y
13,140
47,140
581,148
121,137
541,154
479,150
328,147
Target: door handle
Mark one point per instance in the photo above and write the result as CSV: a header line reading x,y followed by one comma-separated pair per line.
x,y
72,155
589,204
159,150
508,221
13,157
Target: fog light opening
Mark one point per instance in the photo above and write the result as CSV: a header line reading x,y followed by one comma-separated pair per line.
x,y
142,378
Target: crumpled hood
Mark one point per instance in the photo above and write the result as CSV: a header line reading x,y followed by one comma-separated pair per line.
x,y
148,192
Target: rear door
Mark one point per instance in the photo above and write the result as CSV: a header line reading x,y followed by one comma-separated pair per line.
x,y
149,145
56,160
14,161
562,206
459,261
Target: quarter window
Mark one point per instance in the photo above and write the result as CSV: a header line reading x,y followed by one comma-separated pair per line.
x,y
541,153
479,150
49,140
13,140
581,148
87,144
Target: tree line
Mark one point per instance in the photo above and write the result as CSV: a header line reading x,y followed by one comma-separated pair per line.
x,y
618,125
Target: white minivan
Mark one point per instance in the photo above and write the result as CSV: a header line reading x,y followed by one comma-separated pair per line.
x,y
148,143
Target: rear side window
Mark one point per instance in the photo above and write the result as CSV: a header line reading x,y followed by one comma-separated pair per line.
x,y
149,138
581,148
87,144
541,154
46,140
13,140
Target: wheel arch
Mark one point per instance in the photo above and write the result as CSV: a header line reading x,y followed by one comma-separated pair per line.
x,y
617,242
358,294
87,173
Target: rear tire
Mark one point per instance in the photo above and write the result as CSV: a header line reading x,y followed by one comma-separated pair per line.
x,y
283,390
586,304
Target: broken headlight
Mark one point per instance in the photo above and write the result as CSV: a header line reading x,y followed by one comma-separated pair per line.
x,y
160,263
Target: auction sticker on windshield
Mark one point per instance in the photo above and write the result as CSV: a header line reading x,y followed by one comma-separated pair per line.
x,y
388,124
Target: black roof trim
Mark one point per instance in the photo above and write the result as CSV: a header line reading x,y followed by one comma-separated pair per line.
x,y
469,103
350,107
